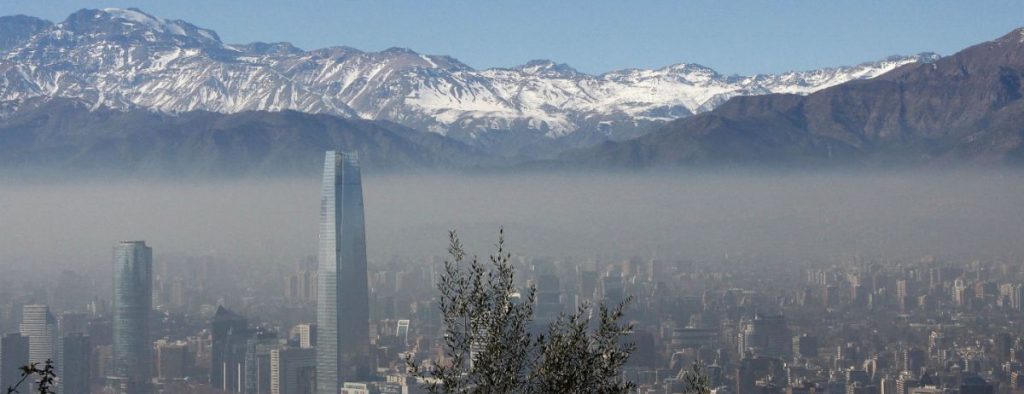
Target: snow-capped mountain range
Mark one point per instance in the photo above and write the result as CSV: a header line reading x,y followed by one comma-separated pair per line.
x,y
127,59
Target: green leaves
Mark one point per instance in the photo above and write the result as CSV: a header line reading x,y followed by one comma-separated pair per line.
x,y
488,347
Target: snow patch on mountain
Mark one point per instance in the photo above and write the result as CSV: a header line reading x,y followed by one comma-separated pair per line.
x,y
136,16
125,58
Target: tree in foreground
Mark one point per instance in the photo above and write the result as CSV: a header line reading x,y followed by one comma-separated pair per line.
x,y
488,347
696,381
44,384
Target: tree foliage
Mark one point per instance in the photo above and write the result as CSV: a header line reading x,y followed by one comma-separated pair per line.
x,y
488,346
44,384
574,359
696,381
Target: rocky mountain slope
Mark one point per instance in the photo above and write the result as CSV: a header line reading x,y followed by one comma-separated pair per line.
x,y
67,138
126,59
967,107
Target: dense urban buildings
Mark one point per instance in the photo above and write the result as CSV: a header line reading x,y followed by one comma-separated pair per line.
x,y
849,326
132,306
857,326
342,313
757,325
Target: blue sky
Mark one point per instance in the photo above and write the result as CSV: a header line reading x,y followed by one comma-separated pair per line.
x,y
594,35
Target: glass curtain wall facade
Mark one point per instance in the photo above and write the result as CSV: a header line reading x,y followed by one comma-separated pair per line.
x,y
133,302
342,350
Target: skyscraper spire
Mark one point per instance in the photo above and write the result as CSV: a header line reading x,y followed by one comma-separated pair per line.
x,y
343,344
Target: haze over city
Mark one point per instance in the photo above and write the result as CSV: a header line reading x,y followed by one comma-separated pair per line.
x,y
824,217
410,197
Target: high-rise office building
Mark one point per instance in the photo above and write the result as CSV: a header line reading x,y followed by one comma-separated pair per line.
x,y
72,323
805,346
13,355
74,365
549,293
549,299
102,359
230,334
301,285
133,303
292,370
402,331
613,289
306,334
173,360
257,362
976,385
769,336
40,326
343,344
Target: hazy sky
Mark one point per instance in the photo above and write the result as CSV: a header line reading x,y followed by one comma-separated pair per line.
x,y
595,35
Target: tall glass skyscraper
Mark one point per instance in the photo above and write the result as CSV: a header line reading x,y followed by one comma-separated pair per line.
x,y
343,305
133,302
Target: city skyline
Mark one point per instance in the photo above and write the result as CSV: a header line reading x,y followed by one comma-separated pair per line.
x,y
753,335
515,196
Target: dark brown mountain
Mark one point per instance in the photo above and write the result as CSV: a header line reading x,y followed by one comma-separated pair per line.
x,y
966,107
65,136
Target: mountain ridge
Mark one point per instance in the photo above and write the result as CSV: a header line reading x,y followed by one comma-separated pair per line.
x,y
126,59
967,107
70,137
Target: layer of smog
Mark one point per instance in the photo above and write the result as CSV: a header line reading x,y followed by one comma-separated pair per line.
x,y
748,219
